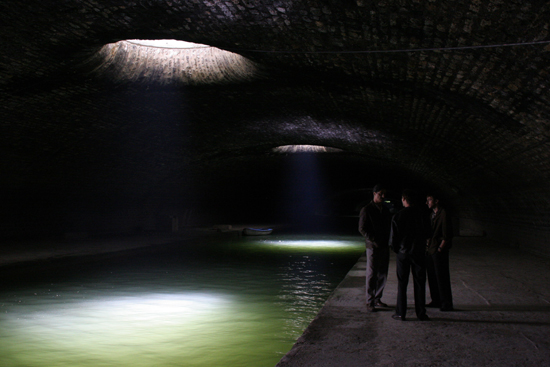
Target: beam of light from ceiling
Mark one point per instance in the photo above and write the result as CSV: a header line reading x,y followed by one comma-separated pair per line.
x,y
304,189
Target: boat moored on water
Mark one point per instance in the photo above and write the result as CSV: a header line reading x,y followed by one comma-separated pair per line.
x,y
257,231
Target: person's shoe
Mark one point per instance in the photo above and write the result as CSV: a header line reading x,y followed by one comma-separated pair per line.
x,y
446,309
381,304
371,308
398,317
424,318
433,305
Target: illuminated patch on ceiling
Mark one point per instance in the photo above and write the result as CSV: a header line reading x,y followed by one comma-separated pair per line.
x,y
167,44
305,149
173,61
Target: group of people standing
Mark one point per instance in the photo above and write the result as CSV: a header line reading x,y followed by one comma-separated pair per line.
x,y
421,240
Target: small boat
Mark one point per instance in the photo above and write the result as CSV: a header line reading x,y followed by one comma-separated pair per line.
x,y
257,231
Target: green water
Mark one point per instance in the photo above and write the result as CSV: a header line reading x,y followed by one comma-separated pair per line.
x,y
232,302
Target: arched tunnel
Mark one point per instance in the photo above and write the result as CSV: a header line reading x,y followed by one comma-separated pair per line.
x,y
103,137
272,112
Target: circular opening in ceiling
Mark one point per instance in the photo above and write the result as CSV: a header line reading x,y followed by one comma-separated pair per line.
x,y
174,44
173,61
305,149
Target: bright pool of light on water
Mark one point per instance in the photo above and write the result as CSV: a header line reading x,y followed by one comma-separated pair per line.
x,y
311,244
233,307
112,330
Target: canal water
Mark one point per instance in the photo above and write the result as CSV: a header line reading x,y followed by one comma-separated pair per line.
x,y
238,301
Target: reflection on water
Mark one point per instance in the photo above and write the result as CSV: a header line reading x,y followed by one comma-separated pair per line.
x,y
233,303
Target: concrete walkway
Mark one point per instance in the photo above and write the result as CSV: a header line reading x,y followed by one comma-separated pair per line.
x,y
502,317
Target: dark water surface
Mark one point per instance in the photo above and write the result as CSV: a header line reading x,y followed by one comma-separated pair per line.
x,y
228,302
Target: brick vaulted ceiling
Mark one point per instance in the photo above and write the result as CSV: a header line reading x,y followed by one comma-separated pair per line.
x,y
448,94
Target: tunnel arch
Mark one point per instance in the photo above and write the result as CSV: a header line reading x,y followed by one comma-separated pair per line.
x,y
472,122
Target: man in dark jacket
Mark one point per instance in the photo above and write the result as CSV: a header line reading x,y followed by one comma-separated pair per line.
x,y
374,225
437,257
410,228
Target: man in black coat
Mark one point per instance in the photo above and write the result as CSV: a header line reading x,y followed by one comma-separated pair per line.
x,y
410,229
374,225
437,256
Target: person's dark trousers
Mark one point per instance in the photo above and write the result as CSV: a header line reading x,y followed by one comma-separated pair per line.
x,y
439,279
404,265
376,274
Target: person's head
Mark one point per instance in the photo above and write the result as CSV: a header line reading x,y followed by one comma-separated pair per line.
x,y
432,201
378,193
408,198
